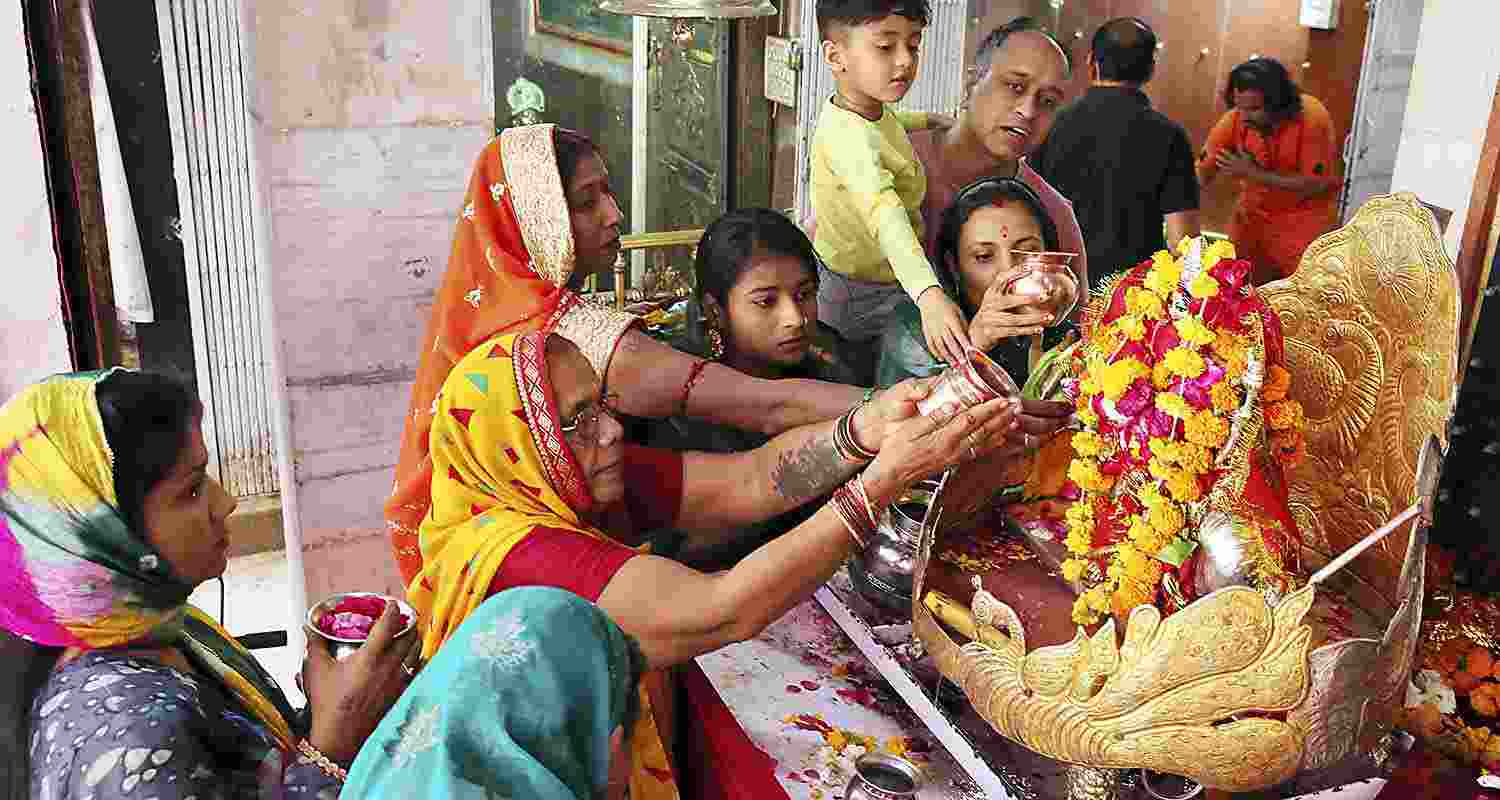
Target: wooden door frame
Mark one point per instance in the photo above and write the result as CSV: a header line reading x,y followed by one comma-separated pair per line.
x,y
1476,250
57,52
749,129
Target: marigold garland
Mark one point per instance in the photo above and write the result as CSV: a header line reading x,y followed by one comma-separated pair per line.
x,y
1278,381
1157,389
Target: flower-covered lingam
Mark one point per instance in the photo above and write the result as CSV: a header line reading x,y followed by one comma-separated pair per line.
x,y
1181,388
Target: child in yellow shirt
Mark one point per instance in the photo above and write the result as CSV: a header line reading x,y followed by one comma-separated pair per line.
x,y
867,184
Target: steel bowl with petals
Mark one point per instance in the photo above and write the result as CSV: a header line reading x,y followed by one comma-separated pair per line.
x,y
342,647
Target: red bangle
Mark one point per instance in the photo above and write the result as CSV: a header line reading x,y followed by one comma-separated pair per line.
x,y
694,375
853,508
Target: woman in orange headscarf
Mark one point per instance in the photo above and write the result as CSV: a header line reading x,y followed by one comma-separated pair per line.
x,y
539,216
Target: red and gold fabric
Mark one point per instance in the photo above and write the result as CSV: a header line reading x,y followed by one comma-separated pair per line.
x,y
654,480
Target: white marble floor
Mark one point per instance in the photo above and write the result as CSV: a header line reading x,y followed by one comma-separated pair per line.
x,y
257,600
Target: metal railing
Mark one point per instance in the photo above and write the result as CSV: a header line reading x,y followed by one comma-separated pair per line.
x,y
674,283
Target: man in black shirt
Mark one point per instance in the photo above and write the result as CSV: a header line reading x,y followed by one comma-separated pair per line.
x,y
1125,167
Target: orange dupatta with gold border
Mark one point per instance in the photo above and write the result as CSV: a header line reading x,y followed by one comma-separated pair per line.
x,y
511,261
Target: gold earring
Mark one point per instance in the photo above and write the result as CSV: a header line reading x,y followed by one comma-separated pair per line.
x,y
715,343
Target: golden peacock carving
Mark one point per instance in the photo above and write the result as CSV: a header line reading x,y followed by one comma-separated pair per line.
x,y
1234,691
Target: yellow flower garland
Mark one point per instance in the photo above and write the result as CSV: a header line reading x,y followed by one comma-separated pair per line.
x,y
1178,462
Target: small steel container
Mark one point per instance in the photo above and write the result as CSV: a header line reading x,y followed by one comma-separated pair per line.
x,y
884,571
340,647
882,776
966,385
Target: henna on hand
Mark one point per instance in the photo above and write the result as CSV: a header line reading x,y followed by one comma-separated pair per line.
x,y
812,470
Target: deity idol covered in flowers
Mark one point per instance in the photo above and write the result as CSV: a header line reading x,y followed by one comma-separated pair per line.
x,y
1173,486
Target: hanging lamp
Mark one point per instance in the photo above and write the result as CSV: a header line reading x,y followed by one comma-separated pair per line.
x,y
690,9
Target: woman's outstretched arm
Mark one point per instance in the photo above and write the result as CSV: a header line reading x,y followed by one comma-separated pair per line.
x,y
650,378
677,613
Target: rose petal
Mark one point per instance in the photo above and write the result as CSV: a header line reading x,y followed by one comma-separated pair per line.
x,y
1135,350
1195,395
1212,374
1165,338
1231,274
1136,399
369,606
1159,423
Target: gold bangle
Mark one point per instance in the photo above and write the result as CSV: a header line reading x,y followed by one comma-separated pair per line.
x,y
311,755
844,442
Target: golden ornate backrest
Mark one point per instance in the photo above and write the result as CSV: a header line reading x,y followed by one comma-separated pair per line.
x,y
1371,323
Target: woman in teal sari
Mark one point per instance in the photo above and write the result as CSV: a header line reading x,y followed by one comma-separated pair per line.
x,y
755,309
531,697
988,220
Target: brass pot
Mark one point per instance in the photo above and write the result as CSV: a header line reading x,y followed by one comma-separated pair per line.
x,y
1049,278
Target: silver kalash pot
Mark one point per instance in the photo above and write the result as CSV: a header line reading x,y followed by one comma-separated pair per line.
x,y
883,572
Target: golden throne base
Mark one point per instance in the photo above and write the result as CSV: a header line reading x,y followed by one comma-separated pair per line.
x,y
1232,692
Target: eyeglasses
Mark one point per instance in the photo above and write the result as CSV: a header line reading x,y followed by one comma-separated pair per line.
x,y
584,425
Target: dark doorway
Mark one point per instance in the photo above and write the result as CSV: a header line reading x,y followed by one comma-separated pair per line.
x,y
130,48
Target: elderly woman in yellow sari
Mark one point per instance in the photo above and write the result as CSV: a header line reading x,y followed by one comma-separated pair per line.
x,y
534,485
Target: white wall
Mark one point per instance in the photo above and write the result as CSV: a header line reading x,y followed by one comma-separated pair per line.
x,y
1452,90
33,341
371,114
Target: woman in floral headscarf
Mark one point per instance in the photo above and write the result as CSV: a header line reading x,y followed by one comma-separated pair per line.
x,y
539,217
107,523
533,485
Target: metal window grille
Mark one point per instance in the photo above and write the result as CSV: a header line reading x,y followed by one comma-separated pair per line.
x,y
204,70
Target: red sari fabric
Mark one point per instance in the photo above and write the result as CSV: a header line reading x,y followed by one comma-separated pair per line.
x,y
566,559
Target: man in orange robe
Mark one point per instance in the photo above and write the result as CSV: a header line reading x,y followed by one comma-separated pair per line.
x,y
1279,144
